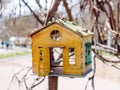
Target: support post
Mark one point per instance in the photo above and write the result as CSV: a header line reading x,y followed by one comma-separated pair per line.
x,y
52,83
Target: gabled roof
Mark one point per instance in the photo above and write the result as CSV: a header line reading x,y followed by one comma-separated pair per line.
x,y
69,25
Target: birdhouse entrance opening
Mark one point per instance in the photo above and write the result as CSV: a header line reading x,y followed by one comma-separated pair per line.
x,y
56,60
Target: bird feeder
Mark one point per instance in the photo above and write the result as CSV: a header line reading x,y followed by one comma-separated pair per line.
x,y
61,49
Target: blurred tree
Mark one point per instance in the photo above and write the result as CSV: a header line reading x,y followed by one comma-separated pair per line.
x,y
100,16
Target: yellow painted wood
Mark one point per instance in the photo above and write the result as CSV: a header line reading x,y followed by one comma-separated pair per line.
x,y
42,41
74,69
44,65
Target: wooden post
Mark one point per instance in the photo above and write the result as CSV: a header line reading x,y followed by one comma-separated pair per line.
x,y
52,82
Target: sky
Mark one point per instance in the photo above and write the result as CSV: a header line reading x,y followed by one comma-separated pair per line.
x,y
12,7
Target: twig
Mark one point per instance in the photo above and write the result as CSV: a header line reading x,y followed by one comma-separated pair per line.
x,y
105,48
24,78
20,7
37,83
116,67
74,5
46,18
38,3
35,15
15,76
53,10
92,77
68,10
104,59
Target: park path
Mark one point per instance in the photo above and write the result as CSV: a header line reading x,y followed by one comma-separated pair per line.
x,y
10,66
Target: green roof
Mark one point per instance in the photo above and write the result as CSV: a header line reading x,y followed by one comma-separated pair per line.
x,y
70,25
75,28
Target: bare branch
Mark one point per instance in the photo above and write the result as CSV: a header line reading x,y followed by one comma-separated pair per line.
x,y
111,17
38,3
35,15
92,77
118,14
24,78
104,59
68,10
53,10
46,18
115,66
0,4
37,83
20,7
15,76
117,42
74,6
106,48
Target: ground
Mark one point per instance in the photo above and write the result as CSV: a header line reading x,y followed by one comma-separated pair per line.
x,y
10,66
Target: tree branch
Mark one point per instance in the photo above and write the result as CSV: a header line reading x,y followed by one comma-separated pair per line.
x,y
35,15
37,83
38,3
111,17
104,59
53,10
68,10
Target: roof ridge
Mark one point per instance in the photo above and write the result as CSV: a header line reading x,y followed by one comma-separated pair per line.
x,y
70,25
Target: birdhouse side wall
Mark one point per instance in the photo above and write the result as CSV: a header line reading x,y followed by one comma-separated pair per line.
x,y
35,56
85,40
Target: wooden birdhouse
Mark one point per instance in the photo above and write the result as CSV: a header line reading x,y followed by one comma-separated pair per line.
x,y
61,48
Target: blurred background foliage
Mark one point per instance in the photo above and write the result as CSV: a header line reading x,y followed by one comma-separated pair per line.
x,y
18,18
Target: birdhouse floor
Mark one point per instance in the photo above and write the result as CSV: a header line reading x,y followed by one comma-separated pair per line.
x,y
59,73
56,70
